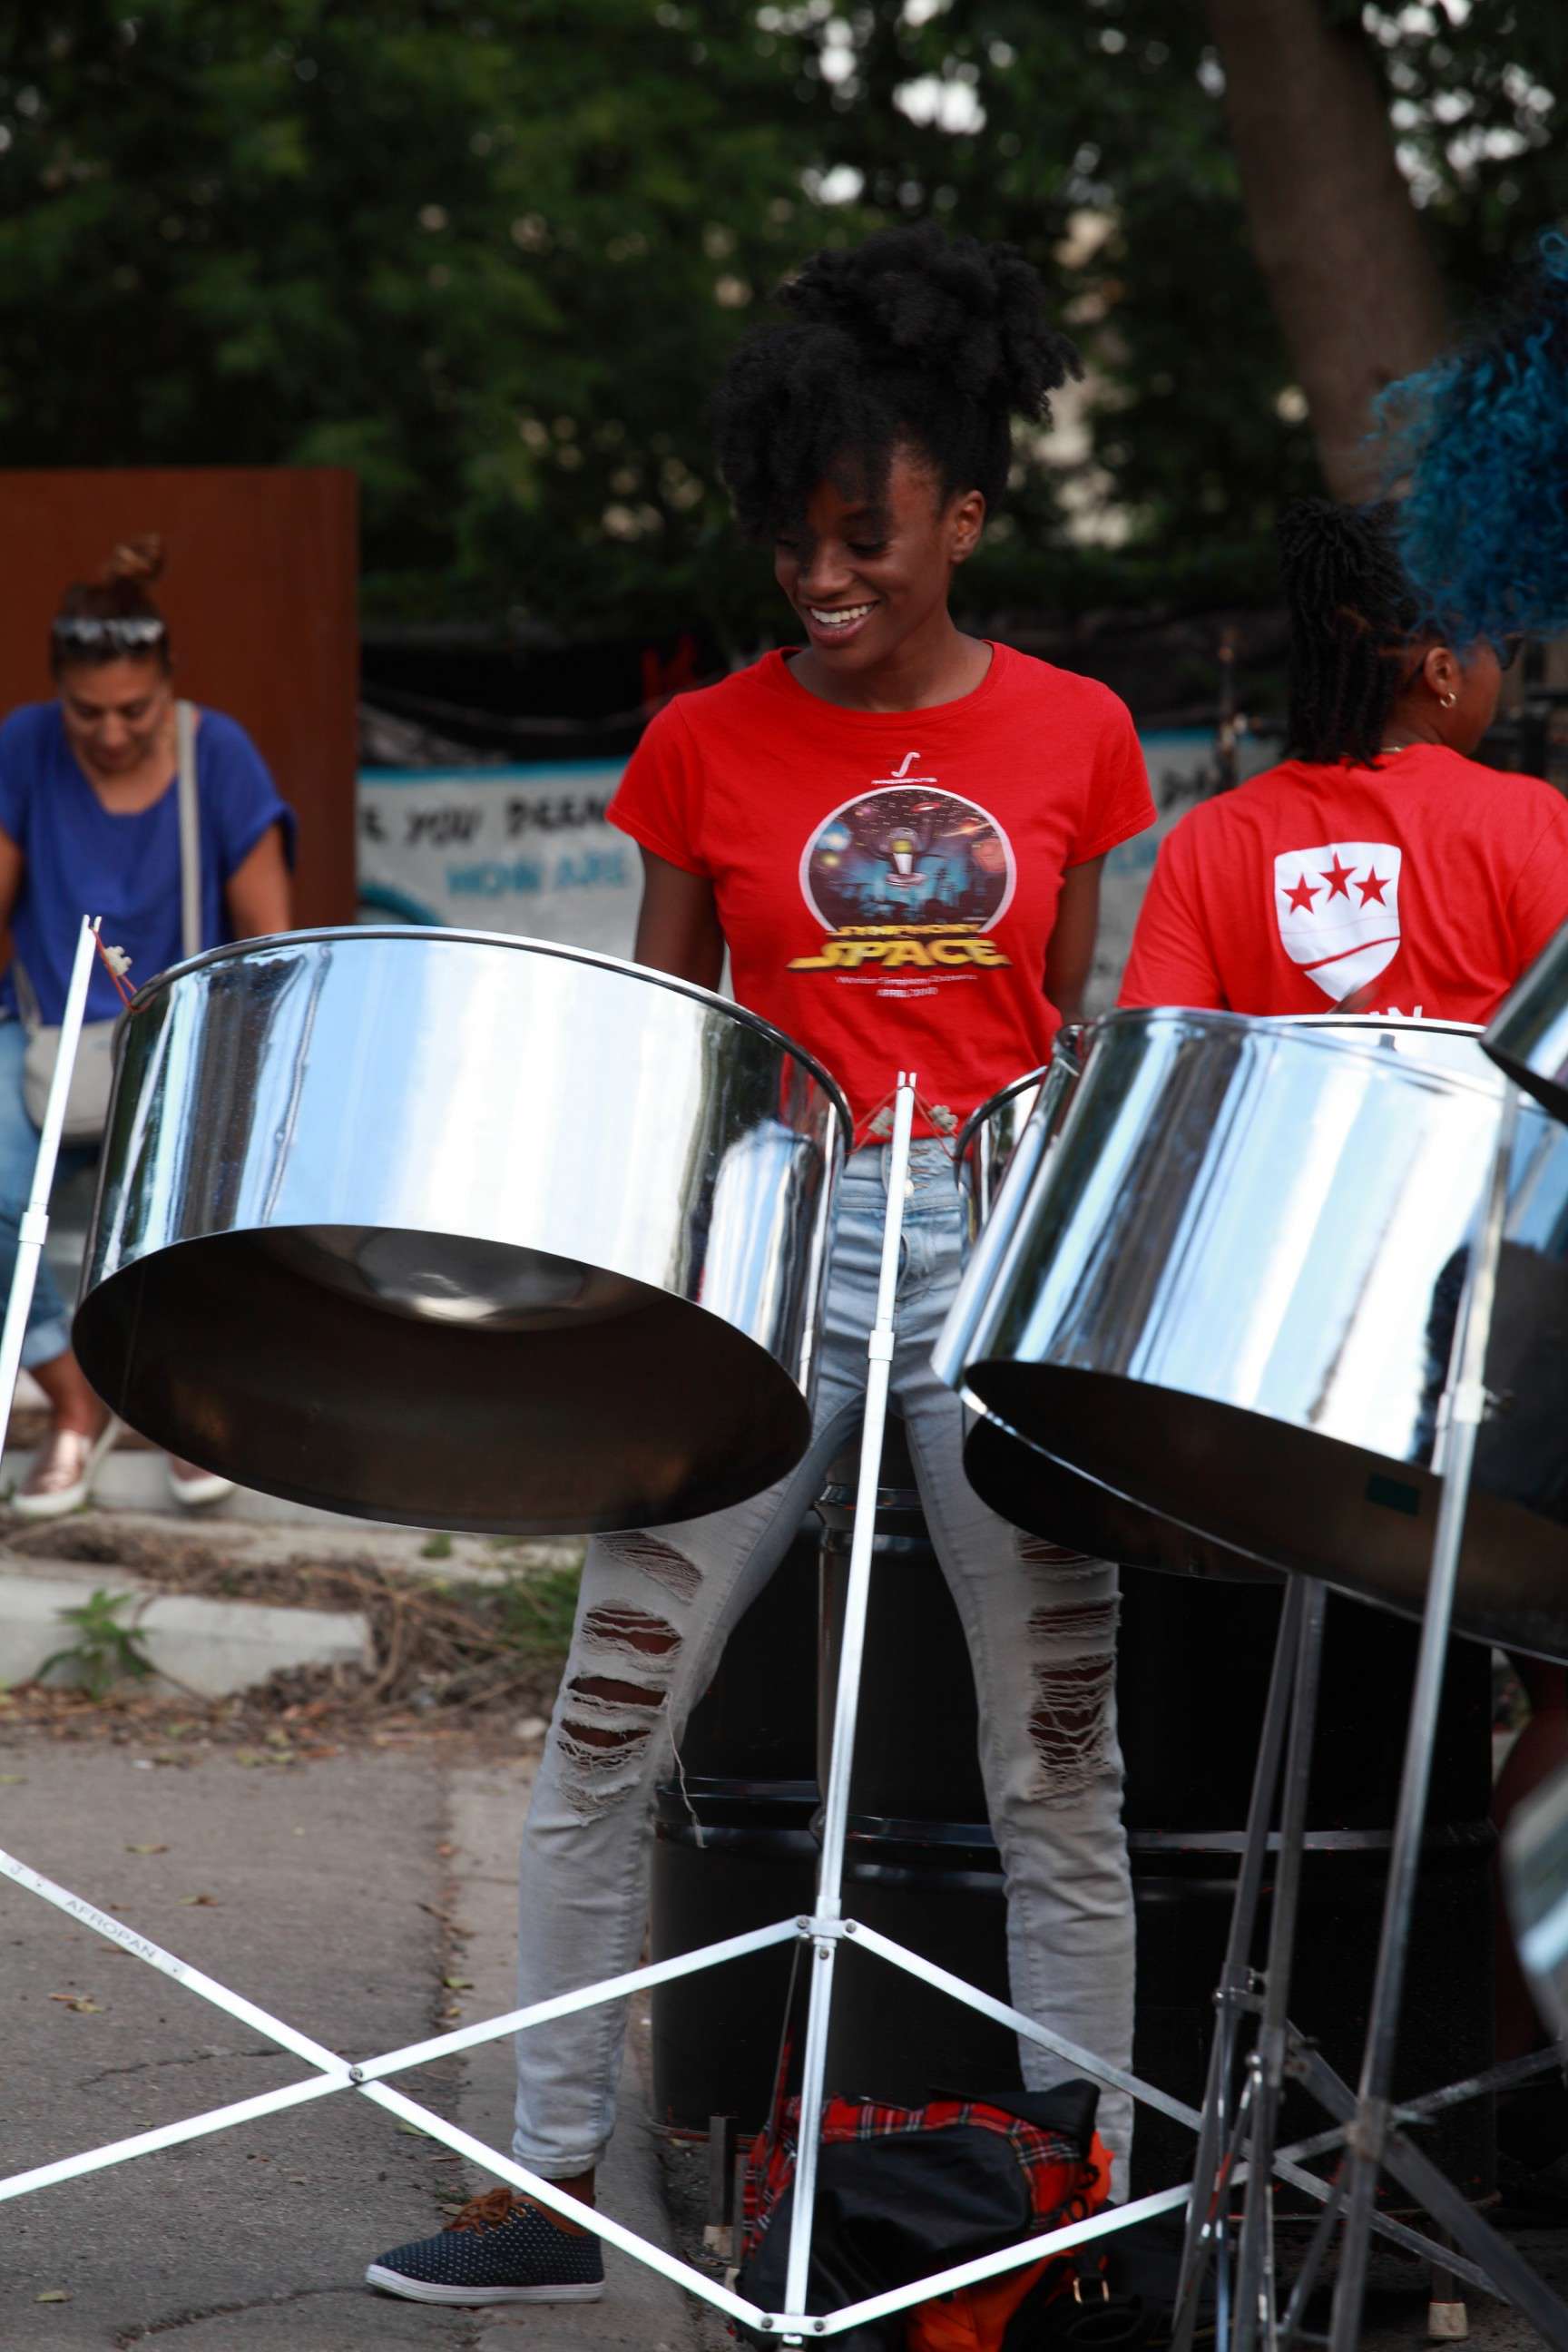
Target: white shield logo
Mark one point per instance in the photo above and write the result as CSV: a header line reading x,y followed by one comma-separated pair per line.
x,y
1338,911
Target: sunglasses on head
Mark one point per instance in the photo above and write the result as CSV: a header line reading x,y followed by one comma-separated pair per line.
x,y
130,632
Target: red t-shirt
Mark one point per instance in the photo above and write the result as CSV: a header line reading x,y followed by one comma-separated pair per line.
x,y
1424,886
887,882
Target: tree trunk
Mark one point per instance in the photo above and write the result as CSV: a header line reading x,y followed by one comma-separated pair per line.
x,y
1338,239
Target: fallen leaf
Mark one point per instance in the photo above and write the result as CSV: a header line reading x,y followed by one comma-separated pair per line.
x,y
458,1984
79,2000
209,1899
413,2130
146,1849
54,2294
11,1779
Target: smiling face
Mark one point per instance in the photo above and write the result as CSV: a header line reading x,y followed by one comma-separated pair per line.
x,y
114,711
870,576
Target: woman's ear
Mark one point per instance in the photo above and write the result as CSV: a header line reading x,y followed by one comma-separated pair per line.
x,y
965,522
1442,673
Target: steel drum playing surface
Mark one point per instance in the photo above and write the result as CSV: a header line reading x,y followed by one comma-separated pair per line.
x,y
1230,1292
463,1232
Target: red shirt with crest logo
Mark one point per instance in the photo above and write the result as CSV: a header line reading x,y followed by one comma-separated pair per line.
x,y
1424,886
887,882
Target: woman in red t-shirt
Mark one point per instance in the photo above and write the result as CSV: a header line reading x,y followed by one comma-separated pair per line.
x,y
1379,868
895,831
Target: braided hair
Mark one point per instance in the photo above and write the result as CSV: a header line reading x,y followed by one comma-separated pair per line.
x,y
911,337
1483,437
1351,618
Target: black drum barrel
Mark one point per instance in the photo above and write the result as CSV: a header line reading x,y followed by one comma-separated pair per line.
x,y
1193,1676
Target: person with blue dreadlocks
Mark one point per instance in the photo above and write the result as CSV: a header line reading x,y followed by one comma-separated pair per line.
x,y
1479,440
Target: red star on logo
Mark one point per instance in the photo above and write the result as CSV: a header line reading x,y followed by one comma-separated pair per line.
x,y
1301,894
1338,878
1373,886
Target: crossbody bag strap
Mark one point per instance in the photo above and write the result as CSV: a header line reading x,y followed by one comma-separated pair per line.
x,y
190,832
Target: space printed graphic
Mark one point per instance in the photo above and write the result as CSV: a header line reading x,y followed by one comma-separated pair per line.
x,y
907,877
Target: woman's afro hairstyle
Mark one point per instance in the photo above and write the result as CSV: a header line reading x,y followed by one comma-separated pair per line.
x,y
1352,616
1482,437
910,338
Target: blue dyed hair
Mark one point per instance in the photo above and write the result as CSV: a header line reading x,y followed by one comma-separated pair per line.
x,y
1482,437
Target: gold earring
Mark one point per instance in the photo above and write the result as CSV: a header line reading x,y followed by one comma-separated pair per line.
x,y
1449,699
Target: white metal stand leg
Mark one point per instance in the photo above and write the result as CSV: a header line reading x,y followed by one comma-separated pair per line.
x,y
35,1222
827,1925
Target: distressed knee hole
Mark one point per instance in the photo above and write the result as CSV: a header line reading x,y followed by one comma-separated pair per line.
x,y
645,1555
611,1628
1035,1552
605,1724
1071,1723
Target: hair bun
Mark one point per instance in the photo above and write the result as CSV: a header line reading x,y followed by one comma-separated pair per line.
x,y
915,298
140,558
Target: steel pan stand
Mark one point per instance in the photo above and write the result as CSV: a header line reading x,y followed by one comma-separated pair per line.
x,y
1237,2142
1374,2138
35,1222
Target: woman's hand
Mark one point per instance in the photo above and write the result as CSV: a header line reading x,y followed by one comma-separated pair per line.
x,y
1069,958
677,924
260,892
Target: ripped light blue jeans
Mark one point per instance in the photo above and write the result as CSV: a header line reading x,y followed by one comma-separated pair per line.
x,y
651,1623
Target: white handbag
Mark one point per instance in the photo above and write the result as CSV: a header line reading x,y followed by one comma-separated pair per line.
x,y
92,1077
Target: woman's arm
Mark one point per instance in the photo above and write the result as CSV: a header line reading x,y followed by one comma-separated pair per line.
x,y
258,895
677,924
1069,958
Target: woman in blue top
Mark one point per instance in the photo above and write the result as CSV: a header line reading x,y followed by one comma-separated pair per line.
x,y
90,824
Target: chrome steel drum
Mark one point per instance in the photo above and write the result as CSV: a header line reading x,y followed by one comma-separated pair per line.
x,y
1230,1296
461,1231
1023,1485
1528,1032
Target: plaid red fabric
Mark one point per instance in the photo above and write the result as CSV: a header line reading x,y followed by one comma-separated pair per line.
x,y
1059,2180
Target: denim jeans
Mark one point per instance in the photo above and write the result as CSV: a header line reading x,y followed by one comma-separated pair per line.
x,y
1040,1626
48,1328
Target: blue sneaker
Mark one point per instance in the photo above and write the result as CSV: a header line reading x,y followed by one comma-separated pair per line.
x,y
501,2248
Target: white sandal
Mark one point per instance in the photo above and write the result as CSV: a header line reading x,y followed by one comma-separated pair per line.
x,y
195,1489
60,1480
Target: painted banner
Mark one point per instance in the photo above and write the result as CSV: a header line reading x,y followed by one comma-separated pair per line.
x,y
525,850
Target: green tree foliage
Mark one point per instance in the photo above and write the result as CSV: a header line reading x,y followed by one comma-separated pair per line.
x,y
491,254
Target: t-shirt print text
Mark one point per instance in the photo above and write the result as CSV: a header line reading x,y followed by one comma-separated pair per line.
x,y
907,880
1338,911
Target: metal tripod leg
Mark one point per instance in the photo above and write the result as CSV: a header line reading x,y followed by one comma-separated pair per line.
x,y
1464,1405
1255,2297
1206,2218
828,1921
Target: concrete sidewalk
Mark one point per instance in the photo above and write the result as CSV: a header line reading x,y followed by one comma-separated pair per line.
x,y
322,1892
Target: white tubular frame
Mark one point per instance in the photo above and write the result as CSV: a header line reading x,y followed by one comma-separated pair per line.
x,y
825,1929
35,1222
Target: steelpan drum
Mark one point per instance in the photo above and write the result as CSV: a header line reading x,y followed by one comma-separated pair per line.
x,y
1528,1032
1022,1484
461,1231
1230,1295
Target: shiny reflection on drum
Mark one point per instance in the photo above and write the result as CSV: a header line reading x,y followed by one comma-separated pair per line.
x,y
1019,1482
1529,1033
1231,1294
460,1231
